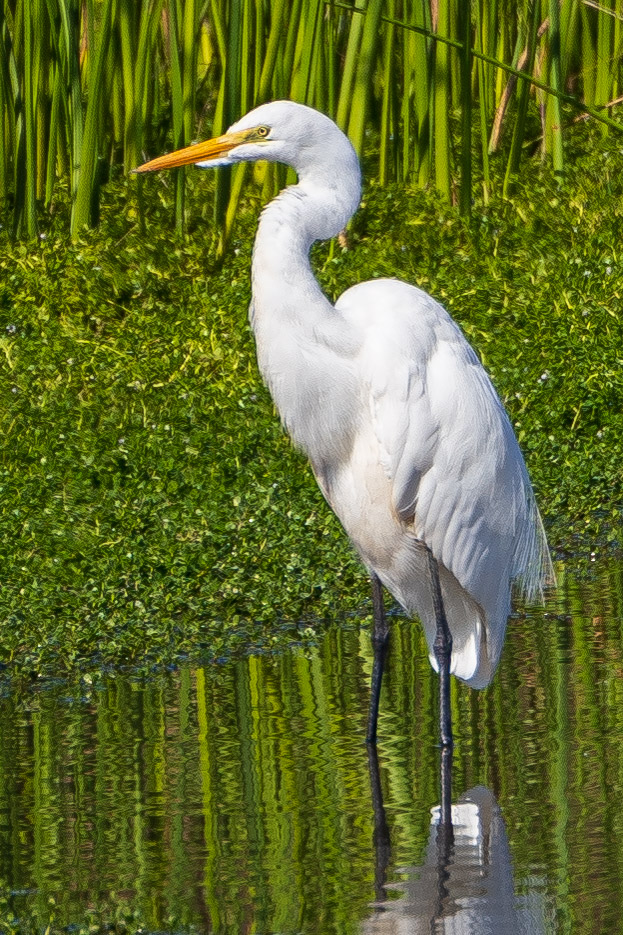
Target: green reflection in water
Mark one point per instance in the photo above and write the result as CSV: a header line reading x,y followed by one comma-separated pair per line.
x,y
237,798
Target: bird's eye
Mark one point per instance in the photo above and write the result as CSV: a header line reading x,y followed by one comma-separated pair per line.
x,y
263,131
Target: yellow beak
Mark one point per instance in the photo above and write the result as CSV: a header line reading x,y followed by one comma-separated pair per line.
x,y
198,152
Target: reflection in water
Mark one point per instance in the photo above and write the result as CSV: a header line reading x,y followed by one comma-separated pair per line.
x,y
238,798
464,884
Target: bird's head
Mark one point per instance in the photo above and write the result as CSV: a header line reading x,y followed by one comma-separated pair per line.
x,y
281,131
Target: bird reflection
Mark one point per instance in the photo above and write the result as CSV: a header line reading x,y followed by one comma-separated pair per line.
x,y
464,884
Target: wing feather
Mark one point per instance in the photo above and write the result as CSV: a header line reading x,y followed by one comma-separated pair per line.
x,y
458,479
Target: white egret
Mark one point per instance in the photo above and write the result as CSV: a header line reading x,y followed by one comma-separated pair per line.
x,y
404,431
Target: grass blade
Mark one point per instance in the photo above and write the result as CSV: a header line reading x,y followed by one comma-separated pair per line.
x,y
553,115
441,103
522,105
350,64
465,191
87,191
365,68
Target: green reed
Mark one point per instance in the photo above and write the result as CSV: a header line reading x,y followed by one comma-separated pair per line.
x,y
90,87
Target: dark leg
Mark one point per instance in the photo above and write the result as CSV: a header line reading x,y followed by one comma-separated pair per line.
x,y
382,842
380,642
442,648
446,790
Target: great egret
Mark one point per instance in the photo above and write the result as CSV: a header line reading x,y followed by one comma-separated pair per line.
x,y
406,436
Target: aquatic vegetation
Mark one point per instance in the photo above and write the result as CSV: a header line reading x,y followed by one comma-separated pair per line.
x,y
239,797
151,505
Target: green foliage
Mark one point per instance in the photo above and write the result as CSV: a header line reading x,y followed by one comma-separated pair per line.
x,y
135,486
150,504
90,86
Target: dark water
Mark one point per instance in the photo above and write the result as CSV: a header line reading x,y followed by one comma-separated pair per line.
x,y
240,798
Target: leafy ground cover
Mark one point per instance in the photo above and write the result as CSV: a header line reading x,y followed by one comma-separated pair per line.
x,y
150,504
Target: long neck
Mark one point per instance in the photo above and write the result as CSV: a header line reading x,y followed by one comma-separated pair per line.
x,y
282,278
303,344
283,283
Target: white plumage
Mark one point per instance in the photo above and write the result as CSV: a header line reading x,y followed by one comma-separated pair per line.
x,y
406,436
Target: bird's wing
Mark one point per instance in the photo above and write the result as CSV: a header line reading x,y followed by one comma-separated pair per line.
x,y
457,475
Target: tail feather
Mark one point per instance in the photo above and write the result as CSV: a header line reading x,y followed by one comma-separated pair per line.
x,y
532,564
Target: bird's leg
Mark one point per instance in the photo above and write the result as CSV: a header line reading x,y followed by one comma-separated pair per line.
x,y
382,840
442,647
445,819
445,835
380,642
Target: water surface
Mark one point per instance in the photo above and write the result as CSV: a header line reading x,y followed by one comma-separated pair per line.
x,y
240,797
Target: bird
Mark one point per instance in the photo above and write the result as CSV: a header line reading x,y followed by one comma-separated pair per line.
x,y
403,429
